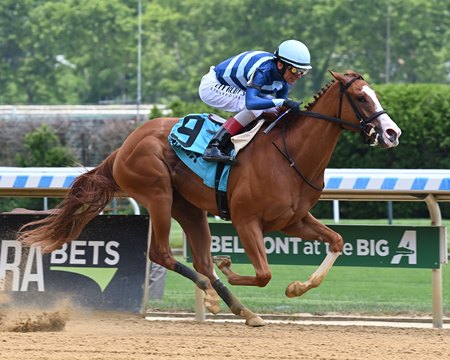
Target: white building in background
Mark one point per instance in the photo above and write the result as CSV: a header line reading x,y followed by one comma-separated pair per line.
x,y
77,112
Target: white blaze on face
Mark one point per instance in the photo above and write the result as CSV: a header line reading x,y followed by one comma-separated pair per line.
x,y
391,132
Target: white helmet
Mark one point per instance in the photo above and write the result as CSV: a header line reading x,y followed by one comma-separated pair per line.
x,y
294,53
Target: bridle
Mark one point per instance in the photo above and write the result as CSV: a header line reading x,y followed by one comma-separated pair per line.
x,y
366,128
365,123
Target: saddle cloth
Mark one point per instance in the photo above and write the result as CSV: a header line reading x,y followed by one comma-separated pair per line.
x,y
191,135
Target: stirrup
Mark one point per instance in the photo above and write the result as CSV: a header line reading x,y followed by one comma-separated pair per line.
x,y
214,154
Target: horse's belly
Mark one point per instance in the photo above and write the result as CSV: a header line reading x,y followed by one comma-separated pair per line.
x,y
191,187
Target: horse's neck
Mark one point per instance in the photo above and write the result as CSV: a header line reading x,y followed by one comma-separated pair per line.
x,y
315,139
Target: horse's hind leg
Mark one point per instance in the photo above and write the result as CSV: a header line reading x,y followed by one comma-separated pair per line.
x,y
195,224
141,170
160,251
158,201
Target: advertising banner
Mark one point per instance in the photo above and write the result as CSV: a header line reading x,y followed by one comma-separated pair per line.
x,y
365,245
104,269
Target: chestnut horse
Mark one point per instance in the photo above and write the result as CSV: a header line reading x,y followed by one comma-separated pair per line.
x,y
265,192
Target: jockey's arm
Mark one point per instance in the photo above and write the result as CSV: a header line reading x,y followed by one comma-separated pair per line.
x,y
283,93
254,100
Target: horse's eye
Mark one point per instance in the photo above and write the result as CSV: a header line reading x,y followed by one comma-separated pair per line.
x,y
361,98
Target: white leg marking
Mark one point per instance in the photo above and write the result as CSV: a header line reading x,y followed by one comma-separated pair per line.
x,y
298,288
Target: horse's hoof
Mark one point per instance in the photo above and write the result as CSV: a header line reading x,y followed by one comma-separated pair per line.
x,y
222,261
212,308
255,321
212,305
296,288
211,301
251,319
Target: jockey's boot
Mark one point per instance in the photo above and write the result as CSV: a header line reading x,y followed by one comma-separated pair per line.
x,y
213,151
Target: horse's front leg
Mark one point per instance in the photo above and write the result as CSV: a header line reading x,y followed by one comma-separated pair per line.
x,y
252,240
309,228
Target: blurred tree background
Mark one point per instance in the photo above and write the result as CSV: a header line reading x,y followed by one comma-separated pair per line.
x,y
70,52
85,52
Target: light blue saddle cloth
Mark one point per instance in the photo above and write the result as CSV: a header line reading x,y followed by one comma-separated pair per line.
x,y
189,138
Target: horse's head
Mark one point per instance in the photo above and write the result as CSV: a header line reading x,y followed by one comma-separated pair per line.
x,y
358,101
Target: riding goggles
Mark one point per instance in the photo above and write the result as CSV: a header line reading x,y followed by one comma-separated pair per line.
x,y
296,71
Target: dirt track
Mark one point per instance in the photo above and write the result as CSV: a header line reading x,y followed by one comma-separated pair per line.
x,y
90,336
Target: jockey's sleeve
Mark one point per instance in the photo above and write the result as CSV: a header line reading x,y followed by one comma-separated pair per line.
x,y
283,93
254,100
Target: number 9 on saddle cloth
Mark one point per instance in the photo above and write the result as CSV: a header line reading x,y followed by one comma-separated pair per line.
x,y
189,138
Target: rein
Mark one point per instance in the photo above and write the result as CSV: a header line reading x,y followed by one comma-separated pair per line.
x,y
331,119
365,126
288,157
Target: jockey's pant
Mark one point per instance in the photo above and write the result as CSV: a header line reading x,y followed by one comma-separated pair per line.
x,y
227,98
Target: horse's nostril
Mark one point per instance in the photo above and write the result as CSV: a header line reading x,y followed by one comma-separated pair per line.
x,y
391,134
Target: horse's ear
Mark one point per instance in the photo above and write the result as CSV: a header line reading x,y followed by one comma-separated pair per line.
x,y
336,75
354,74
342,77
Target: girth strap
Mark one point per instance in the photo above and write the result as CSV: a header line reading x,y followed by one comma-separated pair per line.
x,y
221,196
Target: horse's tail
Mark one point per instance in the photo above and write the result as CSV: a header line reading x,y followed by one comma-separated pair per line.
x,y
87,197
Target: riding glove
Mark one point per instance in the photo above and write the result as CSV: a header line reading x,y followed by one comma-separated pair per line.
x,y
293,105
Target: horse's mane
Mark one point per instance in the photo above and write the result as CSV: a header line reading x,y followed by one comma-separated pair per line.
x,y
319,94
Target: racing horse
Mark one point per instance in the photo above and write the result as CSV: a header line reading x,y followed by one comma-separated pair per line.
x,y
277,180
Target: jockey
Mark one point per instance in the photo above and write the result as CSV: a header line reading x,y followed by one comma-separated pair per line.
x,y
249,84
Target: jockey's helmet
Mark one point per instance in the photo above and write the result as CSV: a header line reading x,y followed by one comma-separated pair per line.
x,y
294,53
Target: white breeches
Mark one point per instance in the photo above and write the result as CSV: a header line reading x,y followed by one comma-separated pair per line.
x,y
227,98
